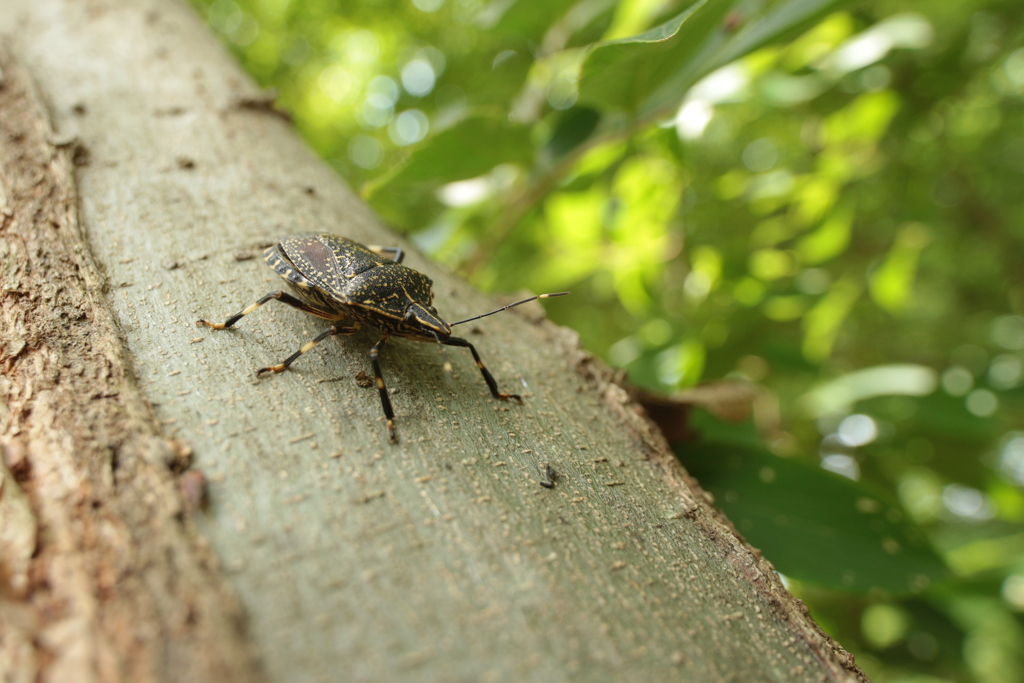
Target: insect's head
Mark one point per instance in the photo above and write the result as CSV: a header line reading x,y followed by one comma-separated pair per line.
x,y
423,323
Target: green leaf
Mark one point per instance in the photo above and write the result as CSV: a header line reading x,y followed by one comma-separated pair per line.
x,y
892,283
813,525
622,74
573,127
654,70
468,149
784,20
830,240
526,18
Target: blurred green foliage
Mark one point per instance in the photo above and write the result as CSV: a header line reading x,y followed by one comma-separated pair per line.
x,y
792,509
819,198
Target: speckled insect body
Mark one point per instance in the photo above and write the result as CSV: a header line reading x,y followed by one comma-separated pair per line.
x,y
338,279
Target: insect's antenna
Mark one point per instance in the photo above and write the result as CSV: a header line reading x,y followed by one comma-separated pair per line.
x,y
505,308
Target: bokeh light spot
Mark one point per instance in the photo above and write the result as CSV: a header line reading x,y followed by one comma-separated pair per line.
x,y
418,77
365,152
409,127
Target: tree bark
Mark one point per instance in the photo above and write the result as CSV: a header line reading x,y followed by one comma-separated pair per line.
x,y
138,179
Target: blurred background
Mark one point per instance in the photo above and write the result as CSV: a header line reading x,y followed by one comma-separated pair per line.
x,y
811,211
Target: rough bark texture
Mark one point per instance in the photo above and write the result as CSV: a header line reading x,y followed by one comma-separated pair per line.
x,y
439,558
106,577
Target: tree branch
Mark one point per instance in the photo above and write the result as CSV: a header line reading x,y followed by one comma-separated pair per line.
x,y
439,558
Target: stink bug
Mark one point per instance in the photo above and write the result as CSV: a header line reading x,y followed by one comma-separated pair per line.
x,y
341,280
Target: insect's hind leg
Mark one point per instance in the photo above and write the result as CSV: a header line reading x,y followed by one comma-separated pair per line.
x,y
283,297
385,401
491,384
329,332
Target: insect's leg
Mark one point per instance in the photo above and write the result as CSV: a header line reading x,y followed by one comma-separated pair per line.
x,y
491,384
283,297
330,331
397,254
385,402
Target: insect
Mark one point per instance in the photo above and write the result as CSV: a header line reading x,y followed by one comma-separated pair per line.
x,y
341,280
549,477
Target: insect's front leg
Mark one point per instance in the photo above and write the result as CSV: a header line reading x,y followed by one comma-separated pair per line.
x,y
491,384
385,401
283,297
329,332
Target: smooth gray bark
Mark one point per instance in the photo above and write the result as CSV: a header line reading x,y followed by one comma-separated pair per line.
x,y
440,558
